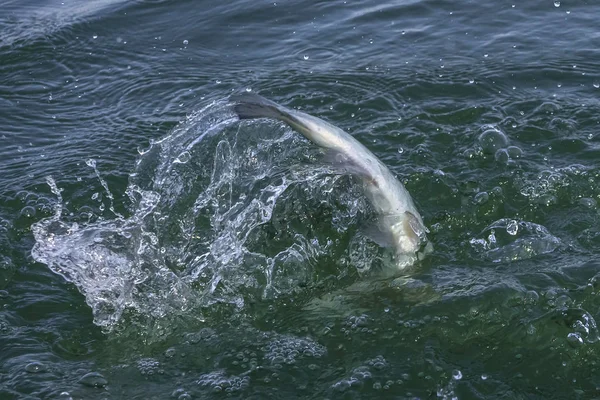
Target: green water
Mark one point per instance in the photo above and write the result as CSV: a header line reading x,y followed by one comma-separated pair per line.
x,y
153,246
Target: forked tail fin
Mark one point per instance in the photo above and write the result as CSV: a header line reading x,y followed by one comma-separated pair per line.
x,y
250,106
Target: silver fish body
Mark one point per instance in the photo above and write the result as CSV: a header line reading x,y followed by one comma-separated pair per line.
x,y
399,224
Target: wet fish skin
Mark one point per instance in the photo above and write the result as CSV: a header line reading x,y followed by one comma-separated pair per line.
x,y
399,224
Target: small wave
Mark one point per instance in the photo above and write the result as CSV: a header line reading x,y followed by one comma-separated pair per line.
x,y
511,240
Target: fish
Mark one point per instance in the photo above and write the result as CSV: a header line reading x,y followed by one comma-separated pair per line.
x,y
399,226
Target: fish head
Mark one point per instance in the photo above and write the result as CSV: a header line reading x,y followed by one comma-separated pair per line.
x,y
409,239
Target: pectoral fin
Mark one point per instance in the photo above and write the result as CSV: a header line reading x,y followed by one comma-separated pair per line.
x,y
413,224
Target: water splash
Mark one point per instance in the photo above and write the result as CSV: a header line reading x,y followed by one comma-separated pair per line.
x,y
511,240
222,213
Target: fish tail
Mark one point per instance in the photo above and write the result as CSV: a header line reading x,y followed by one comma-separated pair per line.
x,y
250,106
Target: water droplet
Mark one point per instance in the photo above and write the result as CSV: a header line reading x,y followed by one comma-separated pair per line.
x,y
93,379
35,367
185,42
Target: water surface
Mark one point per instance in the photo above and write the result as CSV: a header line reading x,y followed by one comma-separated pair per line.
x,y
153,246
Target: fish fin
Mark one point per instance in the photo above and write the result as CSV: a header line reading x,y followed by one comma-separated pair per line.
x,y
418,229
250,106
384,239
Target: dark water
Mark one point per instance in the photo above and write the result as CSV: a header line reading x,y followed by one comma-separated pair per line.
x,y
151,246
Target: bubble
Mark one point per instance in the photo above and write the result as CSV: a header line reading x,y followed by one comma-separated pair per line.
x,y
557,4
512,227
219,382
93,379
35,367
531,297
28,212
143,150
148,366
457,375
547,200
470,154
575,339
183,158
492,140
287,349
481,198
306,57
514,152
94,37
588,202
185,42
502,156
484,377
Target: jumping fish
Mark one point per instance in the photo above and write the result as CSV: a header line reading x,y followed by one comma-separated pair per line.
x,y
399,225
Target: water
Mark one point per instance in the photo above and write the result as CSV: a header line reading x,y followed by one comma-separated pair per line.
x,y
152,246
